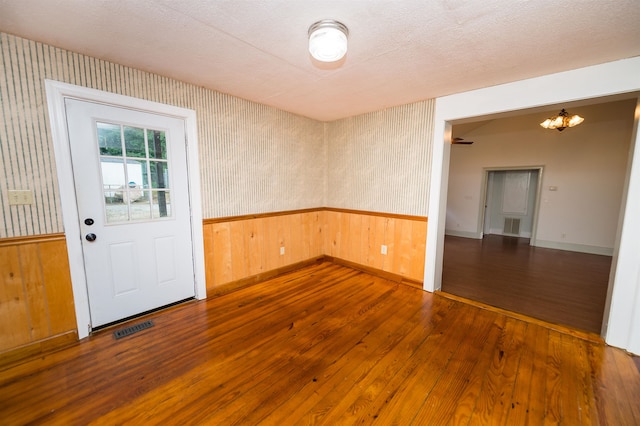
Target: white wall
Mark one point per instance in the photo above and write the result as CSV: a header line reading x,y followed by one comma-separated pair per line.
x,y
622,324
587,165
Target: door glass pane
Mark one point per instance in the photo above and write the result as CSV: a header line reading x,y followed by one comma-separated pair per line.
x,y
157,144
134,142
139,191
113,174
137,176
109,139
141,209
116,211
161,204
159,174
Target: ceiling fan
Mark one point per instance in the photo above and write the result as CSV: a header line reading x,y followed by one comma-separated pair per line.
x,y
460,141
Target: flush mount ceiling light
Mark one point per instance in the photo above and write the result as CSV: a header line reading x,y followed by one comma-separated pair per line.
x,y
328,40
562,121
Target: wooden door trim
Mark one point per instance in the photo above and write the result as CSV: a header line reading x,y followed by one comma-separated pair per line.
x,y
56,93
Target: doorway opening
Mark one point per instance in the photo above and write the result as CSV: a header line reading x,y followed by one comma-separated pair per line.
x,y
511,199
538,234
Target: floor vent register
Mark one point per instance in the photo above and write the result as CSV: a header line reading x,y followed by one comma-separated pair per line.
x,y
127,331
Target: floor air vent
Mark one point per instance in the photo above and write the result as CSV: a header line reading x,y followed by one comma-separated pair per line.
x,y
511,226
127,331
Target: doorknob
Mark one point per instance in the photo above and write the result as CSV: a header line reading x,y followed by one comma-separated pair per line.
x,y
90,237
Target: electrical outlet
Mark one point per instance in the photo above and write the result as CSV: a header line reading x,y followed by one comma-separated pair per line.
x,y
20,197
383,249
281,250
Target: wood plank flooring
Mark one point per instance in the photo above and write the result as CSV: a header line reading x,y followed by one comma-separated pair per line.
x,y
327,345
556,286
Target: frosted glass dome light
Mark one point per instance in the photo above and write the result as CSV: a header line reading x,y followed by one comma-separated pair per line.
x,y
328,40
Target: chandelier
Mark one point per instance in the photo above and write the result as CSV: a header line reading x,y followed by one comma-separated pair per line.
x,y
562,121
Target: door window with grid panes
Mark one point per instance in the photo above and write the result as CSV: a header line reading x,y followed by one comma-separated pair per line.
x,y
135,173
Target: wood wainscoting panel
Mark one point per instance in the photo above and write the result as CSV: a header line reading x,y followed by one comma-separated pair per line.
x,y
239,267
255,245
57,281
36,297
14,321
357,237
217,252
415,263
35,292
241,247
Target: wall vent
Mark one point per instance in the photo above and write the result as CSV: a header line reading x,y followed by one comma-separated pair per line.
x,y
511,226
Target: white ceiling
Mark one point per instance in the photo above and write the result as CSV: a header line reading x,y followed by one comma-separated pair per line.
x,y
400,51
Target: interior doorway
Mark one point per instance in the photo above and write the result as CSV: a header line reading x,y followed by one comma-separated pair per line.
x,y
573,208
511,201
622,312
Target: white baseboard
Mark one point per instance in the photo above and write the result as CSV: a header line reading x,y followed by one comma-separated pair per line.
x,y
580,248
464,234
499,232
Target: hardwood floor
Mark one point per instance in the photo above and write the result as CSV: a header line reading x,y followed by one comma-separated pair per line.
x,y
557,286
327,345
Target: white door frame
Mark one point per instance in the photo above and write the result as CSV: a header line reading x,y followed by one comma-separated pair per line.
x,y
56,93
621,325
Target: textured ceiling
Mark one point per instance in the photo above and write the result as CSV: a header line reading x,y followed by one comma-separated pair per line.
x,y
400,51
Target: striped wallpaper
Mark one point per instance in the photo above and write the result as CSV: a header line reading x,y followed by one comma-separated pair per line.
x,y
381,161
253,158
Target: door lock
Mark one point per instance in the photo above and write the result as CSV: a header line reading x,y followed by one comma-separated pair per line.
x,y
89,221
90,237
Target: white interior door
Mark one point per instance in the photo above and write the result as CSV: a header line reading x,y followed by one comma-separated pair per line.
x,y
132,191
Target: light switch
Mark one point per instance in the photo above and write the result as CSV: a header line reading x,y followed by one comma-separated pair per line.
x,y
20,197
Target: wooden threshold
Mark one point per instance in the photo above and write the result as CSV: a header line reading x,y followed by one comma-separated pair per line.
x,y
592,337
